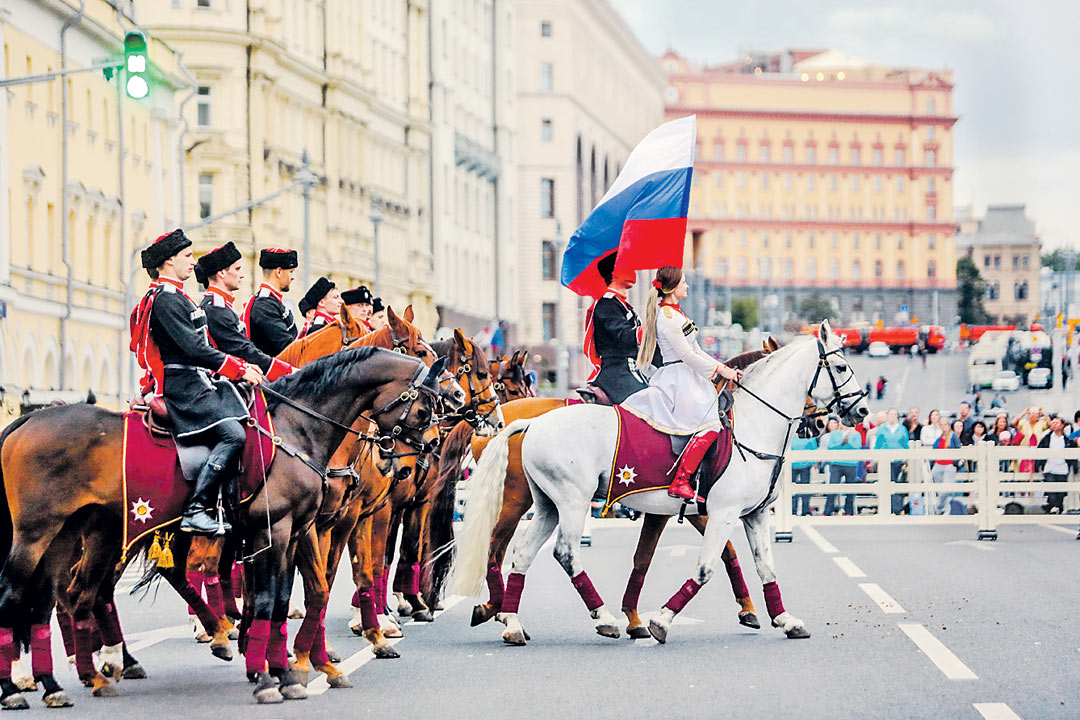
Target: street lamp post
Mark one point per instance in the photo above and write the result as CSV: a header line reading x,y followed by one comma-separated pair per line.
x,y
377,219
562,354
306,177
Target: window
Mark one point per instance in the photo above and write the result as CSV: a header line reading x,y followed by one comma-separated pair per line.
x,y
545,130
931,106
1024,262
789,154
740,152
900,270
878,160
855,241
986,261
789,181
834,241
900,184
1020,290
811,155
548,319
742,239
1016,262
810,185
931,212
877,183
206,195
719,179
931,186
764,153
931,269
931,158
930,132
899,161
545,28
997,261
546,72
811,241
765,240
547,197
741,181
834,268
856,270
787,240
740,267
204,106
834,182
834,155
811,268
931,242
877,241
899,242
766,268
718,151
548,260
764,181
878,270
202,3
789,268
854,182
855,156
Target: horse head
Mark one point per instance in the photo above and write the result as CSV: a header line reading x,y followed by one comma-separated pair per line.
x,y
835,385
472,371
511,380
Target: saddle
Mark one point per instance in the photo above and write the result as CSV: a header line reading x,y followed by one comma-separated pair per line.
x,y
594,395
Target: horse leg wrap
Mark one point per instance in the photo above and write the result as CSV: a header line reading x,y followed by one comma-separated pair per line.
x,y
109,625
413,588
633,590
772,599
318,643
214,598
380,591
585,589
67,632
305,636
368,614
515,583
196,605
258,639
686,594
238,580
277,652
84,649
356,598
40,650
195,577
738,584
495,585
7,652
401,577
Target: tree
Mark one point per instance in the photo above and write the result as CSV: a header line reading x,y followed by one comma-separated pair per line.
x,y
744,311
816,308
1056,260
970,290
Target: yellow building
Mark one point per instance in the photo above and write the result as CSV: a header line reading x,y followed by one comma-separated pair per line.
x,y
820,174
66,244
346,81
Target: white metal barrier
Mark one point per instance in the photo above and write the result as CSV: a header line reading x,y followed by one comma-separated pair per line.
x,y
988,473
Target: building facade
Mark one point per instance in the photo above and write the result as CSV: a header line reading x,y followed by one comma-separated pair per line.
x,y
87,176
588,91
474,116
1005,248
820,174
346,82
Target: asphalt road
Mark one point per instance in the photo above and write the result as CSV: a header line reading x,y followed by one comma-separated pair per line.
x,y
1000,616
943,384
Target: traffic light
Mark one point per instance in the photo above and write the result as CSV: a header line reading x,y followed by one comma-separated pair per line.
x,y
138,69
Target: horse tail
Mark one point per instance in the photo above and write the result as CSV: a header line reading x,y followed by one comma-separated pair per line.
x,y
482,511
7,527
441,518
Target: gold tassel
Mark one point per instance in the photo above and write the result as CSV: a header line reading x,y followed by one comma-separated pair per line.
x,y
154,553
166,560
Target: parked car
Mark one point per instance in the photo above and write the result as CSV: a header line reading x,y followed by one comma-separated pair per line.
x,y
878,349
1006,380
1039,377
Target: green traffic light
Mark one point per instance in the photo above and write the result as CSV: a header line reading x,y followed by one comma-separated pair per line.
x,y
137,87
136,65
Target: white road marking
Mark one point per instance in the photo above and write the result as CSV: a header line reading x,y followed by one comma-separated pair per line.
x,y
818,539
143,640
903,381
849,568
996,711
938,653
1060,528
358,659
984,546
882,598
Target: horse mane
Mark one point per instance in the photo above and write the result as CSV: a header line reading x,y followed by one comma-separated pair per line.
x,y
295,351
746,359
319,376
757,368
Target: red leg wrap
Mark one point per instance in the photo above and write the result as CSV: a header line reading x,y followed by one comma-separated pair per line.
x,y
7,652
108,622
413,588
356,598
495,585
41,650
318,645
84,648
305,636
633,590
277,652
515,583
772,599
258,639
195,577
686,593
585,589
401,577
238,579
214,598
738,584
67,632
368,614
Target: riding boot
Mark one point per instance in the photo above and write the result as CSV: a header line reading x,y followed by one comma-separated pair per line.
x,y
201,514
688,465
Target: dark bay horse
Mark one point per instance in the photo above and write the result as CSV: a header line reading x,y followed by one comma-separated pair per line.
x,y
62,476
512,382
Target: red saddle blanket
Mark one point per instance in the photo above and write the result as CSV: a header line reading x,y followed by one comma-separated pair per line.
x,y
155,490
644,459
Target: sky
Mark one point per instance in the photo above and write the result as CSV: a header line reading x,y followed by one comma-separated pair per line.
x,y
1015,65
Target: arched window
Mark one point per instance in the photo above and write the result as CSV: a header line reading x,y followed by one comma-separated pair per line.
x,y
856,270
811,268
878,272
740,267
900,270
789,268
931,269
834,268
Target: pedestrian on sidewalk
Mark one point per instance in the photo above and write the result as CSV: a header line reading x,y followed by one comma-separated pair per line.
x,y
945,469
800,474
893,436
1056,469
842,471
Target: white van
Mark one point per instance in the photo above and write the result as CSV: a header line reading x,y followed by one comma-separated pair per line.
x,y
982,367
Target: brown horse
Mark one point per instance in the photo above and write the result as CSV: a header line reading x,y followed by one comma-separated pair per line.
x,y
511,380
62,470
517,500
327,341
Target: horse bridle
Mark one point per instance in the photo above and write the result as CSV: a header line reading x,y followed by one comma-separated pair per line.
x,y
471,413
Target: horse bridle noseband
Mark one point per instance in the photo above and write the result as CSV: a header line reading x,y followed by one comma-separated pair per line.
x,y
471,413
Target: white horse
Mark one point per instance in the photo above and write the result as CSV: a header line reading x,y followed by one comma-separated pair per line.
x,y
567,455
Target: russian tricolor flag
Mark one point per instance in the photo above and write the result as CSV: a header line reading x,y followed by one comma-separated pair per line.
x,y
642,215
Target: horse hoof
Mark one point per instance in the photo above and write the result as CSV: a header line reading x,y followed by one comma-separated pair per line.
x,y
14,701
266,692
797,633
391,631
296,614
103,691
202,638
234,633
608,631
332,655
356,630
658,631
480,615
339,681
57,699
293,691
439,605
424,616
749,620
26,684
223,652
134,671
637,632
300,674
404,609
515,637
385,652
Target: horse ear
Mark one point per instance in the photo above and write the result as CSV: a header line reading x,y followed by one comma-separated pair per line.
x,y
824,330
408,314
436,370
392,318
771,344
459,338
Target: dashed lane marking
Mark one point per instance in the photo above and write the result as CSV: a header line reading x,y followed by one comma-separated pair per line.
x,y
996,711
358,659
849,568
142,640
1060,528
939,654
882,598
974,544
818,539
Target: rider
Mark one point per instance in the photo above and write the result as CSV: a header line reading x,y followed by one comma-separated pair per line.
x,y
325,300
173,346
360,305
268,322
681,397
378,314
612,334
221,272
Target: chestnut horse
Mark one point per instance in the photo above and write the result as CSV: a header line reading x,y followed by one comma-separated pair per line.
x,y
511,380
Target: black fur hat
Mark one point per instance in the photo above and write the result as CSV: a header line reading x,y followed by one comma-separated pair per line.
x,y
357,296
271,258
377,305
164,248
317,292
215,261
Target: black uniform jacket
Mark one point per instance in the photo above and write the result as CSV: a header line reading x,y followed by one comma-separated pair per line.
x,y
269,323
615,333
227,334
